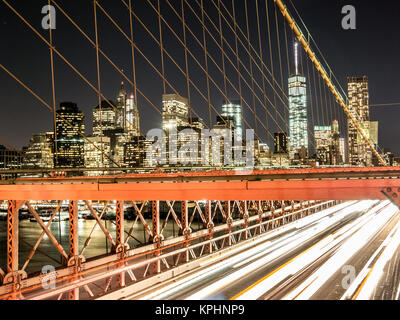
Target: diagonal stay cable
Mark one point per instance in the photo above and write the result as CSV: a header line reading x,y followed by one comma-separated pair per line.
x,y
45,104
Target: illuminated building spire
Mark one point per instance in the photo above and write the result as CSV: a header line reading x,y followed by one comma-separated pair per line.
x,y
298,124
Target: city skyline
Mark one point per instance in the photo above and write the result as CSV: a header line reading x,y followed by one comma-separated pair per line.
x,y
119,125
88,100
199,150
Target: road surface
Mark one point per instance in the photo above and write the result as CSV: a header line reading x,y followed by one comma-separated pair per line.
x,y
349,251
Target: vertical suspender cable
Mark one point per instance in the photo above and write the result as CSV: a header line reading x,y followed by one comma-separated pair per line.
x,y
137,126
222,46
98,80
206,64
186,58
311,98
161,45
237,56
53,91
327,79
272,63
279,50
251,67
263,80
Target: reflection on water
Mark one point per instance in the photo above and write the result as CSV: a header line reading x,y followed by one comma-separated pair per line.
x,y
29,232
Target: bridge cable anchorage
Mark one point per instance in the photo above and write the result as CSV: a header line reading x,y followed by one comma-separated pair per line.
x,y
300,36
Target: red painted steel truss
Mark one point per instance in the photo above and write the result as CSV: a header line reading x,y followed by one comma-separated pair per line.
x,y
202,196
295,184
202,228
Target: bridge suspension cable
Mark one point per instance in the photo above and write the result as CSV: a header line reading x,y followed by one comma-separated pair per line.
x,y
299,34
227,35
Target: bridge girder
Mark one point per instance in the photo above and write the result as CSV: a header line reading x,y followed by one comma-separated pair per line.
x,y
289,184
75,277
290,189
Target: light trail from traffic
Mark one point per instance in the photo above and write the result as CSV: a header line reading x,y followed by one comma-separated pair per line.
x,y
309,256
376,273
374,221
263,244
281,254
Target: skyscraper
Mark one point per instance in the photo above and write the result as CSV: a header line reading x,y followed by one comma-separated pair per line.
x,y
121,107
119,122
132,125
10,159
264,155
121,138
39,154
280,156
127,116
280,142
298,129
104,121
327,144
358,93
323,141
175,112
105,128
97,153
336,156
219,155
135,152
175,115
234,110
187,135
70,143
373,137
342,148
373,132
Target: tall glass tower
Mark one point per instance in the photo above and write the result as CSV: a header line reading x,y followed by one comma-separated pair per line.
x,y
358,92
127,116
131,117
175,112
70,145
234,110
298,130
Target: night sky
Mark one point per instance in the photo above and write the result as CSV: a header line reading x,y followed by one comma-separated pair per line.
x,y
372,50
